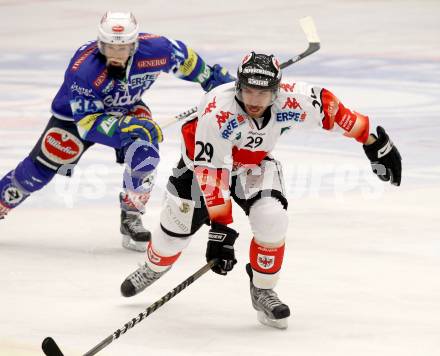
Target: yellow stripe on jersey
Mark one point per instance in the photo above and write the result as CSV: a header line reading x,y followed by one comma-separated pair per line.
x,y
156,126
190,63
133,127
85,124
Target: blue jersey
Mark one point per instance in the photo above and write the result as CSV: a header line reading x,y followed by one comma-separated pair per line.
x,y
92,99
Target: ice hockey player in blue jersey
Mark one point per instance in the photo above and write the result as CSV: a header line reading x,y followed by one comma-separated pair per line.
x,y
100,101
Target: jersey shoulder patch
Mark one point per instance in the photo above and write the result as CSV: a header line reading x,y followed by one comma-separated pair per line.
x,y
289,108
83,56
221,112
154,52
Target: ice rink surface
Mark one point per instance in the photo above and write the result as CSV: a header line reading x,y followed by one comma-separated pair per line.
x,y
362,263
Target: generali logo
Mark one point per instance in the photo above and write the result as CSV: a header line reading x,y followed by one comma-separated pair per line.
x,y
100,79
152,63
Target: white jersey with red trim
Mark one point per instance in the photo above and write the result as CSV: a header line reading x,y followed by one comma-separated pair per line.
x,y
224,138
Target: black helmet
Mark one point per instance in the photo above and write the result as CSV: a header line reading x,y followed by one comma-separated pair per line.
x,y
259,71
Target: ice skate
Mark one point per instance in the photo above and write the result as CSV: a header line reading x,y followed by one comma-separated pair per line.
x,y
271,311
139,280
134,235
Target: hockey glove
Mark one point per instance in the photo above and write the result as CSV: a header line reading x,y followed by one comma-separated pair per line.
x,y
132,128
221,246
385,159
218,76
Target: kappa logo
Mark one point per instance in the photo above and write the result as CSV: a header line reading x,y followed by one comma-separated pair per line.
x,y
211,106
265,261
291,103
222,117
287,87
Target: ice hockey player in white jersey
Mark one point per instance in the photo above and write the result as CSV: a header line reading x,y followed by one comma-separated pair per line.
x,y
226,153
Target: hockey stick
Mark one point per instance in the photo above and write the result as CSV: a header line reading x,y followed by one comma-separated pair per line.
x,y
50,347
309,29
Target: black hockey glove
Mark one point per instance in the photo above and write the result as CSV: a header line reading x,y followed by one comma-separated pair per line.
x,y
385,159
221,246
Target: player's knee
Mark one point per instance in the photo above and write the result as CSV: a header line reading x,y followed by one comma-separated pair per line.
x,y
141,159
177,215
32,176
168,245
269,220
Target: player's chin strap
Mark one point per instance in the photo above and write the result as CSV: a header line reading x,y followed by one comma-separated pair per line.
x,y
50,348
309,28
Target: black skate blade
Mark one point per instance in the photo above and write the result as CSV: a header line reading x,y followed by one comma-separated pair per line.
x,y
50,347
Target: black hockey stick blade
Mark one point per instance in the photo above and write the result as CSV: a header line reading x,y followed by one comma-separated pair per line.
x,y
50,347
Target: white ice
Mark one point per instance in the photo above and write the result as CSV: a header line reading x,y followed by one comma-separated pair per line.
x,y
362,265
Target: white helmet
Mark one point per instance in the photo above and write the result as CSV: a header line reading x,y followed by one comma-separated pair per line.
x,y
118,28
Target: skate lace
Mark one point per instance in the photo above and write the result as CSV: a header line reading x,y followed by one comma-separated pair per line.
x,y
140,277
269,299
134,224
